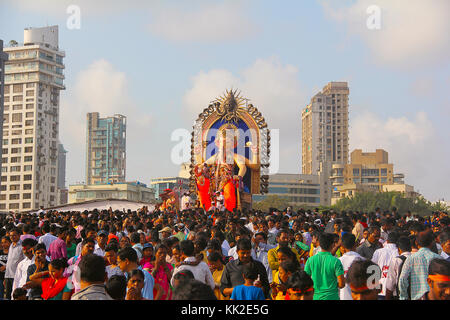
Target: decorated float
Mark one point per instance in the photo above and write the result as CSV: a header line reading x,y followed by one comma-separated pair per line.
x,y
230,150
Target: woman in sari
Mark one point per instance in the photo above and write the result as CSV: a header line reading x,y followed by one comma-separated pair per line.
x,y
162,271
54,284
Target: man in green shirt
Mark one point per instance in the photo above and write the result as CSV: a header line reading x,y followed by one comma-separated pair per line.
x,y
326,271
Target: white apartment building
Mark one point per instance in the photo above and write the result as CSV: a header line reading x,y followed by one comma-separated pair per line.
x,y
325,128
33,80
3,59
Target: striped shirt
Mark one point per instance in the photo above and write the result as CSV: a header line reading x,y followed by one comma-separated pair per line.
x,y
415,273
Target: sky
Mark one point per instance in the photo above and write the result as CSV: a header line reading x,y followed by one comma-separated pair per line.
x,y
160,63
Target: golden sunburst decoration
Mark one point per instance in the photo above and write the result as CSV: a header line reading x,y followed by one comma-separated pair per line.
x,y
230,105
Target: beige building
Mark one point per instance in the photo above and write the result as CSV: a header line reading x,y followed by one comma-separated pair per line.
x,y
33,80
367,171
105,149
132,191
3,59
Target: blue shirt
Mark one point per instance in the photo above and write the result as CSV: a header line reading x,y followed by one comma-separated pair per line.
x,y
243,292
149,283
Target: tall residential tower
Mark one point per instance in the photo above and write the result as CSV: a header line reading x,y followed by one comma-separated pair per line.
x,y
3,59
105,149
325,134
325,128
33,80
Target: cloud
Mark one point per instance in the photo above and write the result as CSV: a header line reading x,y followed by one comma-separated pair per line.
x,y
204,21
176,21
87,7
101,88
272,87
412,33
413,145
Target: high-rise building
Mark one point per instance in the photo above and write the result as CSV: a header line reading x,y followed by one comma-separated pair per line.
x,y
3,58
33,80
63,192
325,134
61,167
325,128
105,149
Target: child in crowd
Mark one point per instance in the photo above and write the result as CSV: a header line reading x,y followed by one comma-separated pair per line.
x,y
216,267
248,291
299,287
20,294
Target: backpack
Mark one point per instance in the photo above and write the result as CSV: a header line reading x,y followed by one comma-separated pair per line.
x,y
403,258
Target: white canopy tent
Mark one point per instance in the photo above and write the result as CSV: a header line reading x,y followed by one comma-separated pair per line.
x,y
102,205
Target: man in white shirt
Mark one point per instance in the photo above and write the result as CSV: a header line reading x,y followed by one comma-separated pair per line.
x,y
252,225
220,202
383,257
186,201
272,226
49,236
20,277
102,240
199,268
404,249
348,248
386,226
261,248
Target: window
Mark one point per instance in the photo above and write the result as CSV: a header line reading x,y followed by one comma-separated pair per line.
x,y
15,169
17,98
28,131
14,178
14,196
30,93
15,159
28,149
27,195
30,106
27,177
16,141
16,117
14,187
17,107
26,205
17,88
29,115
28,122
27,168
28,140
14,206
28,158
27,187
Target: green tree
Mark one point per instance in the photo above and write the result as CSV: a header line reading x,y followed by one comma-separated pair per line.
x,y
369,201
271,201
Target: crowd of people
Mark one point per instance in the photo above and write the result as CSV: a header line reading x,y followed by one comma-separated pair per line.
x,y
221,255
